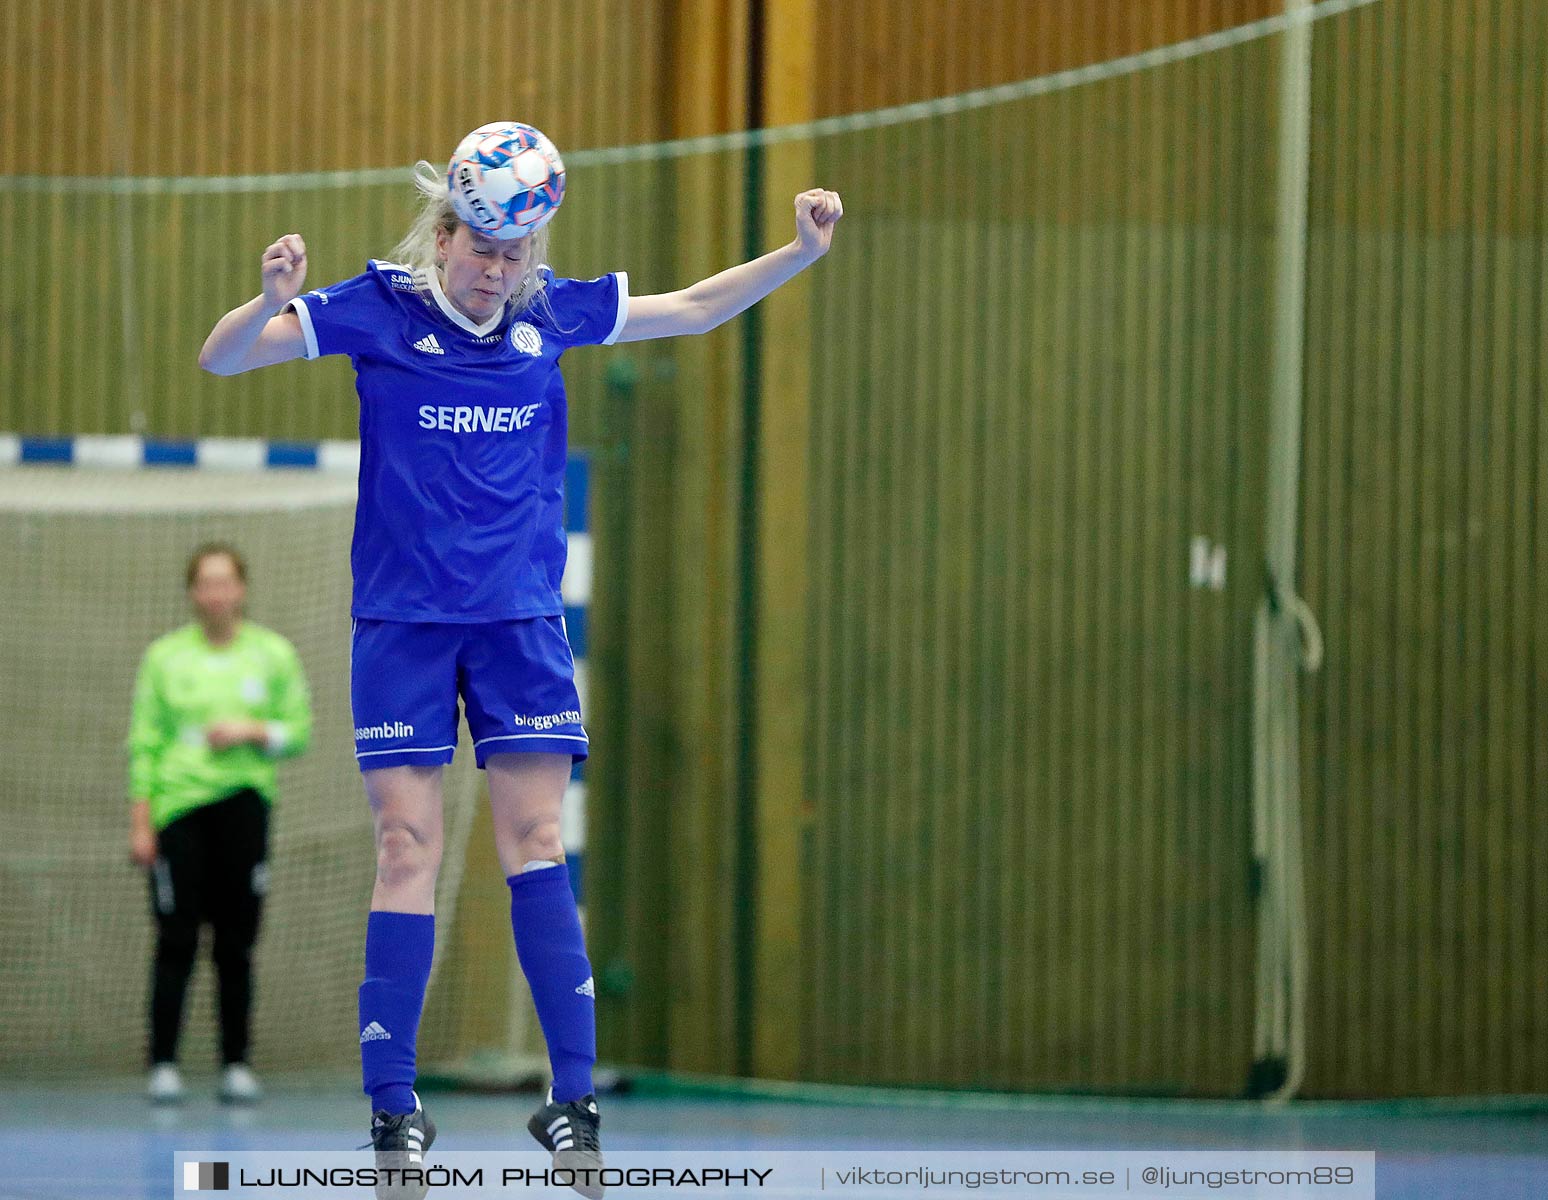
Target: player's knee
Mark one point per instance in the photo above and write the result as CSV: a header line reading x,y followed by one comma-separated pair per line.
x,y
539,841
404,854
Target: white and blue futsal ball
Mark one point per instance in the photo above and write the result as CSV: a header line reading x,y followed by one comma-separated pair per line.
x,y
506,179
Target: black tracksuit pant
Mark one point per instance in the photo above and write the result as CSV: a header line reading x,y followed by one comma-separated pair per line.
x,y
211,866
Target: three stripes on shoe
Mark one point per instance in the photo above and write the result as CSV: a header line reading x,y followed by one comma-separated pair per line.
x,y
559,1131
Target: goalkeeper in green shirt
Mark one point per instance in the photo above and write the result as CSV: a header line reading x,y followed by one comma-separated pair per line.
x,y
216,704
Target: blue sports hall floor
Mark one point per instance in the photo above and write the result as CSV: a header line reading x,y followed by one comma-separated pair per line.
x,y
77,1143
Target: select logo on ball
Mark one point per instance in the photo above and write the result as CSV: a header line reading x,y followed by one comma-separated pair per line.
x,y
467,183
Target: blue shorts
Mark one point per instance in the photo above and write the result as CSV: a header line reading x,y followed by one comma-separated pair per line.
x,y
516,680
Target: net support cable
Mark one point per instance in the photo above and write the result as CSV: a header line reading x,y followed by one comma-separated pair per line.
x,y
1298,15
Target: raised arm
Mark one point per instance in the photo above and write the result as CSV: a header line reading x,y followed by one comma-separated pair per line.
x,y
259,333
714,301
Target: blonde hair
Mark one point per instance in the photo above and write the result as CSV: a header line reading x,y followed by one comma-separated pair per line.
x,y
417,249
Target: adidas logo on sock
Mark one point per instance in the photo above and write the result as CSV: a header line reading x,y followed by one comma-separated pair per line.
x,y
586,989
374,1033
429,345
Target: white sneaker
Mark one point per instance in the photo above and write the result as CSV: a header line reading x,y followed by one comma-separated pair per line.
x,y
238,1085
165,1085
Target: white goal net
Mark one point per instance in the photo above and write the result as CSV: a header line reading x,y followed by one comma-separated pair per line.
x,y
91,571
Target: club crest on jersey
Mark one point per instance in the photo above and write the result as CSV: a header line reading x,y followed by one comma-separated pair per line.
x,y
526,339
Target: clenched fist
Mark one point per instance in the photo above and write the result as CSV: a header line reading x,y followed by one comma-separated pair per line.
x,y
284,270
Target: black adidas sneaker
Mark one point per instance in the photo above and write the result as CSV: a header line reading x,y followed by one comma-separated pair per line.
x,y
400,1141
570,1132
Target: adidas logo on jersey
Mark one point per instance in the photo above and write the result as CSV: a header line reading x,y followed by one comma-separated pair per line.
x,y
374,1033
429,345
587,989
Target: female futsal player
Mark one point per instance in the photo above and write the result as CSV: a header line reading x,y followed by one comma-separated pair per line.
x,y
215,704
457,557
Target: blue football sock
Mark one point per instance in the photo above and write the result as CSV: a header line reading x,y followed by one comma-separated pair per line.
x,y
552,952
398,950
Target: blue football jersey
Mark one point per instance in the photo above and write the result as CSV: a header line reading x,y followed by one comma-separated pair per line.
x,y
462,440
